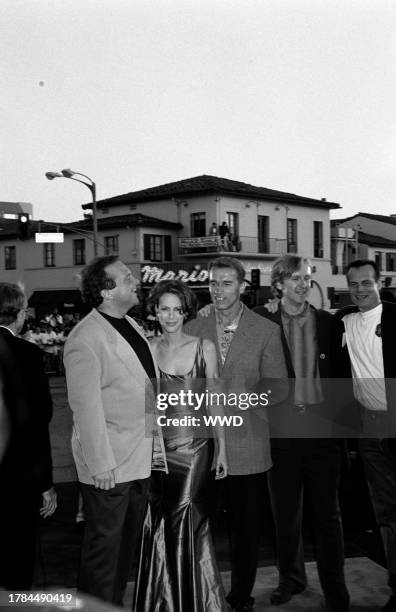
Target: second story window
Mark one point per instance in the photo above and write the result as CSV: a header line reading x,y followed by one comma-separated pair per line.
x,y
49,254
10,257
318,238
79,252
292,235
391,262
198,224
157,248
111,245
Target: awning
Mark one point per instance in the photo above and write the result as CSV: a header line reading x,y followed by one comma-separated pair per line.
x,y
61,299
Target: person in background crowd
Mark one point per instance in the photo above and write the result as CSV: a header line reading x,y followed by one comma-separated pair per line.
x,y
303,464
213,229
108,363
249,351
364,348
26,469
224,233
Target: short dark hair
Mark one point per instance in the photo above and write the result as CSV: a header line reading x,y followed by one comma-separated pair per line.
x,y
229,262
94,279
283,268
359,263
186,296
12,301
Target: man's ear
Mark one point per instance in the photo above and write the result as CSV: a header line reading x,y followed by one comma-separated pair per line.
x,y
106,294
243,287
279,286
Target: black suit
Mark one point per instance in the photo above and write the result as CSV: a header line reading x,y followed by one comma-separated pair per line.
x,y
314,464
26,469
378,452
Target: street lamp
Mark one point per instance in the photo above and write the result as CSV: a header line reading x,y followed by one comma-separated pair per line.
x,y
70,174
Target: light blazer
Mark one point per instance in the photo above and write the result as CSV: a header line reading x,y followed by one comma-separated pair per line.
x,y
107,388
255,358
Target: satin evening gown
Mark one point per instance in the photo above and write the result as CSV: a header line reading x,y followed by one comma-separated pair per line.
x,y
177,568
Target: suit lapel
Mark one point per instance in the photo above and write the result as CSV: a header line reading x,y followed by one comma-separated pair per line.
x,y
122,348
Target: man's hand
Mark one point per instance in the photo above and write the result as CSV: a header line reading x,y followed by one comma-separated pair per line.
x,y
206,310
221,465
49,503
105,480
272,305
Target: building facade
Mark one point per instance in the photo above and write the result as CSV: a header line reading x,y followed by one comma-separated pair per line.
x,y
173,230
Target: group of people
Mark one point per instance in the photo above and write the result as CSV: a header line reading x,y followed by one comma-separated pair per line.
x,y
287,351
229,240
149,489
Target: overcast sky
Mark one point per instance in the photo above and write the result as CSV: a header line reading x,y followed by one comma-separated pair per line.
x,y
295,95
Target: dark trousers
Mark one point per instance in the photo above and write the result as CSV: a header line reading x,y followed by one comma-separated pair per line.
x,y
243,497
380,467
19,520
114,521
311,466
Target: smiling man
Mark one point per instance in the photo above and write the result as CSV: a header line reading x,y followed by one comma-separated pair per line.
x,y
365,340
249,351
108,363
302,464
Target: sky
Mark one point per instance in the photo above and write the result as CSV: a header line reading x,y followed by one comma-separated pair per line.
x,y
294,95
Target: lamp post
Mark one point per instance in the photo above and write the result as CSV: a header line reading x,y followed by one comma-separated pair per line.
x,y
70,174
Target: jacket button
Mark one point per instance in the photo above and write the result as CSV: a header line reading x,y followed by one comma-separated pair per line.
x,y
322,356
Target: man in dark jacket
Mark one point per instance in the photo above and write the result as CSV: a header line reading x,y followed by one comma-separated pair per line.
x,y
26,467
364,341
303,453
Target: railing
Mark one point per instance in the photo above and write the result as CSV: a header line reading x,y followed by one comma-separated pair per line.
x,y
244,244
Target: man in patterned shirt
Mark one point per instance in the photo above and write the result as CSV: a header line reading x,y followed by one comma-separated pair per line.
x,y
250,358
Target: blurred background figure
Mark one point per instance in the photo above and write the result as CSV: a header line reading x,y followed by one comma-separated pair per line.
x,y
26,468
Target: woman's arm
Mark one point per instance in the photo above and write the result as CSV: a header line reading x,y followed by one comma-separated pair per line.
x,y
212,381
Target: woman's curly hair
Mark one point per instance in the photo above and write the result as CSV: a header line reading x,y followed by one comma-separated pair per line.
x,y
186,296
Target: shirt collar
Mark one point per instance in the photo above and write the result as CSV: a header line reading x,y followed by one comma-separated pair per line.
x,y
8,329
234,323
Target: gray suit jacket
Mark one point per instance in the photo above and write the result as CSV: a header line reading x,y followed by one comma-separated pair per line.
x,y
254,364
108,392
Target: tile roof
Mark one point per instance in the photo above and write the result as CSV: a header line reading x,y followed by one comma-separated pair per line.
x,y
382,218
376,241
209,184
9,227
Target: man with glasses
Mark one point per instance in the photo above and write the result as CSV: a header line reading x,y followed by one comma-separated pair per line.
x,y
365,340
302,463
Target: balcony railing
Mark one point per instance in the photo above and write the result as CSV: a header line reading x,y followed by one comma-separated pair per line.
x,y
243,244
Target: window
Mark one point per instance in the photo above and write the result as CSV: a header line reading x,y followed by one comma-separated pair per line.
x,y
318,238
79,252
378,259
263,233
10,257
391,262
111,245
292,235
198,224
233,223
49,254
157,248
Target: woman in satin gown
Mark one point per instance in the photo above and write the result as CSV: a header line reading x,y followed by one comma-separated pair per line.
x,y
177,568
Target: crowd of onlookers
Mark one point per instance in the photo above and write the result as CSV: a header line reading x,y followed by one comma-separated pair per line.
x,y
50,333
